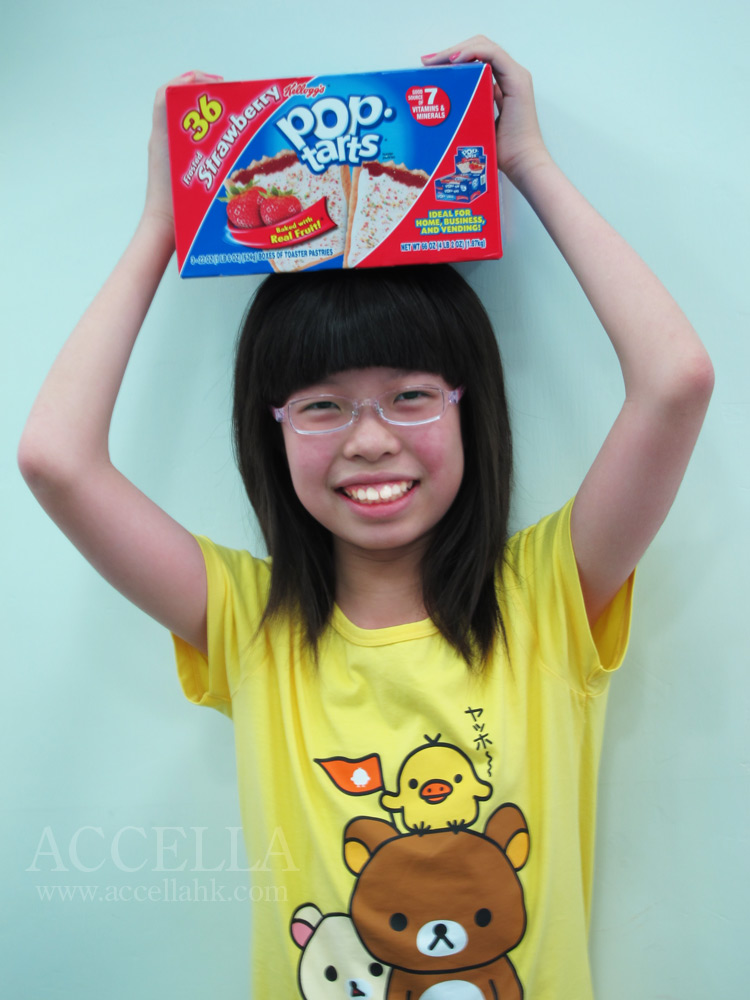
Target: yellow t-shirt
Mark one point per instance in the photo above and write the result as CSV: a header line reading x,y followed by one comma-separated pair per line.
x,y
418,825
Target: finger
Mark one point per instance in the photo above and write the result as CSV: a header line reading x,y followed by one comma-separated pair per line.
x,y
498,98
476,48
195,76
192,76
481,49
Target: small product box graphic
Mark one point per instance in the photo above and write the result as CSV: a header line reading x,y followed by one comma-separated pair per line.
x,y
469,179
334,171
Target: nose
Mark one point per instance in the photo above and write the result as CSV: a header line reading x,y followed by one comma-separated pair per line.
x,y
370,437
442,937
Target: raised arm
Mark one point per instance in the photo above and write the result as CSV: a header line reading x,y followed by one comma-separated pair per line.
x,y
668,376
64,451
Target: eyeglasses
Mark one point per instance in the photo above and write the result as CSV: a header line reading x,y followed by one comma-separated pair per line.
x,y
405,407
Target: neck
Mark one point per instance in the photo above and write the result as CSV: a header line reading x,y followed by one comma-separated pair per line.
x,y
376,589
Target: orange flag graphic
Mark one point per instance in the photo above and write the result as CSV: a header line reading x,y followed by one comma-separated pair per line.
x,y
355,777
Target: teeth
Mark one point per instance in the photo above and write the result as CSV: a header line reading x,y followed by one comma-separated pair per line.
x,y
369,494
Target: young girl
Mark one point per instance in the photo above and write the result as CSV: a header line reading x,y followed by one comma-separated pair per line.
x,y
418,701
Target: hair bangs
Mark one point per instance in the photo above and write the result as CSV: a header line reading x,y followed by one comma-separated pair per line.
x,y
331,321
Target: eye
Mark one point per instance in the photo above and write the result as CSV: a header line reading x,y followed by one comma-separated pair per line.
x,y
319,413
376,969
458,778
413,404
313,405
482,917
398,921
413,783
331,974
418,396
410,394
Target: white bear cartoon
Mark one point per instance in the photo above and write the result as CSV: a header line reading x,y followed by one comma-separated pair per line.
x,y
334,964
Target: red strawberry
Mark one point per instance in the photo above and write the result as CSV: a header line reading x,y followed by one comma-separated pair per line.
x,y
242,206
278,205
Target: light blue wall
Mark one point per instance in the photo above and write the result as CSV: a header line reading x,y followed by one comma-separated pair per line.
x,y
645,105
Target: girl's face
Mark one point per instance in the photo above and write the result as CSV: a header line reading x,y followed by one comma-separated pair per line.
x,y
329,470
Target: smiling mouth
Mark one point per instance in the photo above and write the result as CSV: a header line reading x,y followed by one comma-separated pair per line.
x,y
385,493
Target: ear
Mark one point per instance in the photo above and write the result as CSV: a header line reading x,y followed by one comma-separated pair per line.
x,y
507,827
362,837
304,921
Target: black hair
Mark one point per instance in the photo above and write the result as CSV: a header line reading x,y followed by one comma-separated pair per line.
x,y
300,328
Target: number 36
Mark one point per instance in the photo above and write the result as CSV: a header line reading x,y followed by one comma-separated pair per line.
x,y
199,121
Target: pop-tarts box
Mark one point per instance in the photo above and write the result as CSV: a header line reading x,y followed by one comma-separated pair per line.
x,y
470,177
334,171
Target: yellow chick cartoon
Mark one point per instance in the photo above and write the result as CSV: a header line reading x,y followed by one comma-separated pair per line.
x,y
438,789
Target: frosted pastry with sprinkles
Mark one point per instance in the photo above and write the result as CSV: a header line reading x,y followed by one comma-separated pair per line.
x,y
381,195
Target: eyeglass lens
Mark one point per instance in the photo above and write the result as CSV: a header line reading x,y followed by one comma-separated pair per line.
x,y
410,405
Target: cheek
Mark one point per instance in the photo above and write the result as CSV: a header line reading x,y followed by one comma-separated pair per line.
x,y
443,455
308,461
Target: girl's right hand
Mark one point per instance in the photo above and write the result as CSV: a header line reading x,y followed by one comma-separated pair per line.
x,y
520,146
159,188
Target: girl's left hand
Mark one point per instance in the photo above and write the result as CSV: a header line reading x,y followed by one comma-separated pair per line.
x,y
520,146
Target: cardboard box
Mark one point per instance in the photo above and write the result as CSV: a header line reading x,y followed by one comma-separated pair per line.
x,y
334,171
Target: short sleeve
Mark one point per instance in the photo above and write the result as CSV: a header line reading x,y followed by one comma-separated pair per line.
x,y
541,580
237,588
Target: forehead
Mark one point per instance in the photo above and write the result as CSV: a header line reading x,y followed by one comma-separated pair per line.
x,y
358,381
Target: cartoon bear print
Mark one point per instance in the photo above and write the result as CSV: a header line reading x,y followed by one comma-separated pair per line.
x,y
437,789
442,908
333,964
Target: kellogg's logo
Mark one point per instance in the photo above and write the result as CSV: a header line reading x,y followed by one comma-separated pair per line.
x,y
293,89
337,126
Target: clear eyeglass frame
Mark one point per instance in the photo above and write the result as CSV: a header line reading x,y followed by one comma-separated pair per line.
x,y
283,414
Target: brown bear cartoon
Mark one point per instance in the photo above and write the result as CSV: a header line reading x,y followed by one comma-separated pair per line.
x,y
442,908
